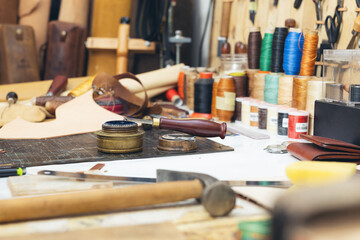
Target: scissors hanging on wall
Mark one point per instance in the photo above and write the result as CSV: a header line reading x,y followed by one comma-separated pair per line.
x,y
333,23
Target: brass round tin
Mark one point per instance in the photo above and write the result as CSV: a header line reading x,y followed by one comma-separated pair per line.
x,y
120,137
177,142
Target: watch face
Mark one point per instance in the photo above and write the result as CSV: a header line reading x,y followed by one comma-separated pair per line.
x,y
276,149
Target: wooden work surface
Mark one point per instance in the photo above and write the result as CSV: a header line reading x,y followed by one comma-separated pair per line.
x,y
83,148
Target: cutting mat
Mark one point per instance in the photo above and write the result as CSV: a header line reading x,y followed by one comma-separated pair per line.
x,y
82,148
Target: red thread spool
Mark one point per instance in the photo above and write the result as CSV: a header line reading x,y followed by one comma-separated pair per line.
x,y
298,124
173,96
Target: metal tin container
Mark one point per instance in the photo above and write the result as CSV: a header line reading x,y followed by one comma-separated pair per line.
x,y
177,142
120,137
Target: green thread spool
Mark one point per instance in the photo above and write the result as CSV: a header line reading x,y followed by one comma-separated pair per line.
x,y
265,55
271,90
255,230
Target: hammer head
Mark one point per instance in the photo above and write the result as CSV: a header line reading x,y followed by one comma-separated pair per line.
x,y
217,198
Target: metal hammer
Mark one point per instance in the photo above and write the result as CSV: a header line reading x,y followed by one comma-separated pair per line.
x,y
217,198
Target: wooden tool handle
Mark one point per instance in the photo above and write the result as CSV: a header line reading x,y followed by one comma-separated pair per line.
x,y
100,200
225,48
240,48
122,49
196,127
225,18
57,86
357,24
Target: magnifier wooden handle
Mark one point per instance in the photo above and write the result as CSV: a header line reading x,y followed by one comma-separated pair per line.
x,y
100,200
196,127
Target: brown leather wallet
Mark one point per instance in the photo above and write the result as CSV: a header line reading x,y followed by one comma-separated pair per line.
x,y
325,149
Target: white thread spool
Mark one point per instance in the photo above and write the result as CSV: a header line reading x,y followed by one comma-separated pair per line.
x,y
245,111
285,90
272,118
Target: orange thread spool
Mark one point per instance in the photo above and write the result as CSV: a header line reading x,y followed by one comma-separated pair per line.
x,y
181,79
300,92
214,94
309,54
254,114
225,99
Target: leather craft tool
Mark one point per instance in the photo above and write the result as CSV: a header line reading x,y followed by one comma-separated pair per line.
x,y
252,10
119,137
178,142
318,13
165,175
57,86
7,172
355,31
196,127
297,4
333,23
224,27
217,198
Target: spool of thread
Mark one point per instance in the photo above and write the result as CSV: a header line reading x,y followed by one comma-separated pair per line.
x,y
315,92
191,77
293,51
298,124
259,85
203,93
355,93
254,114
265,56
225,99
214,93
334,91
251,78
285,90
262,109
181,79
272,119
309,54
254,48
238,103
245,111
173,96
271,89
278,44
300,92
283,121
241,84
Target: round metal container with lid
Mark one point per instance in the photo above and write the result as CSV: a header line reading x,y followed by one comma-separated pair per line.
x,y
120,137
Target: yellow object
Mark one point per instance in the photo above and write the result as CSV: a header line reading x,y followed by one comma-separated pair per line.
x,y
28,113
82,88
313,173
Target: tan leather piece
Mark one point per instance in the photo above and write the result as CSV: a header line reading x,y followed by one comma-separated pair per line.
x,y
35,13
75,11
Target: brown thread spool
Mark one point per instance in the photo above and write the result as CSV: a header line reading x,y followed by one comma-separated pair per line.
x,y
309,54
300,92
254,114
262,115
241,84
254,48
238,103
225,99
251,77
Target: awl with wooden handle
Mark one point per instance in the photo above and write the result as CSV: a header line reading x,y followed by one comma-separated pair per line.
x,y
355,32
225,23
195,127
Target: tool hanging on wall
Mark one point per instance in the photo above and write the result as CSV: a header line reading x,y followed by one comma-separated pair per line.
x,y
252,10
333,24
297,4
318,13
356,29
225,22
179,40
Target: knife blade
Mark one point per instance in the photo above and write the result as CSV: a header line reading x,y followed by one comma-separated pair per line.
x,y
233,183
195,127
